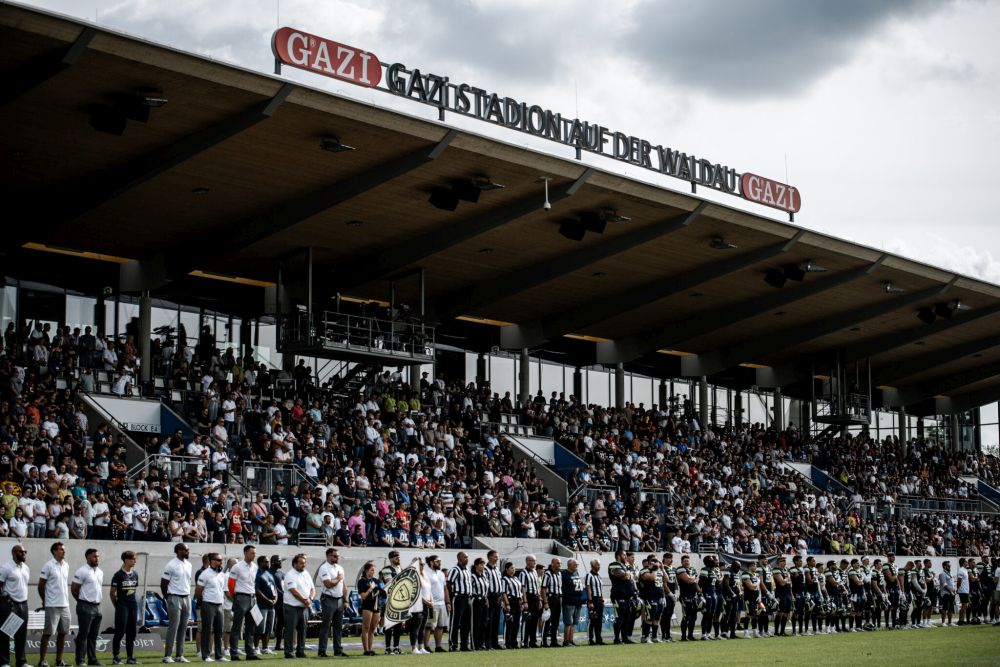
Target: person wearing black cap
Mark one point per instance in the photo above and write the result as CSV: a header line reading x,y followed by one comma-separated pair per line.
x,y
387,574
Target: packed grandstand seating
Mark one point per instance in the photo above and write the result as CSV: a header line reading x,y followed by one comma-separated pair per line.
x,y
396,466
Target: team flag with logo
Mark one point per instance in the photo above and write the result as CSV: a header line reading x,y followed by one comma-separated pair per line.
x,y
403,596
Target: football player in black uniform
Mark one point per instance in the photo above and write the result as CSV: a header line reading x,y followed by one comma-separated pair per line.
x,y
622,592
879,594
707,583
797,575
814,596
651,594
766,595
732,591
687,580
890,573
752,605
669,596
783,591
856,587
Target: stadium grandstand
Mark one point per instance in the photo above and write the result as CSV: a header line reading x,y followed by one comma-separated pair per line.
x,y
240,310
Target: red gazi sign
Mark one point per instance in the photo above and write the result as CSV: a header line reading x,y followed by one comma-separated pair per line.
x,y
770,193
323,56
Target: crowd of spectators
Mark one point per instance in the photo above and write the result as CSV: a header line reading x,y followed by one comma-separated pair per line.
x,y
421,467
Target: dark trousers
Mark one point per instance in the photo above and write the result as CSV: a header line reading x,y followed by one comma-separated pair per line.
x,y
126,621
624,617
596,617
8,607
512,626
279,623
295,631
243,623
211,626
550,631
533,613
461,622
393,634
666,617
332,621
493,629
480,623
88,615
417,624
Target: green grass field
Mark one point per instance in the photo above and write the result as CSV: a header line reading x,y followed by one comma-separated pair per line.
x,y
976,645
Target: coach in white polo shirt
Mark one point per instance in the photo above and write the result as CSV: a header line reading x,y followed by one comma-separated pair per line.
x,y
175,585
14,576
209,593
333,590
53,589
242,590
88,589
299,594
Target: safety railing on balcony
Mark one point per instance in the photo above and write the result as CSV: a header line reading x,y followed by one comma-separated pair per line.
x,y
332,330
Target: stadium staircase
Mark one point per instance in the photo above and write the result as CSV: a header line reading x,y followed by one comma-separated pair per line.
x,y
544,454
819,479
986,491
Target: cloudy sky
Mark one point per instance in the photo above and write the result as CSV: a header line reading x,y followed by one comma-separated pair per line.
x,y
884,114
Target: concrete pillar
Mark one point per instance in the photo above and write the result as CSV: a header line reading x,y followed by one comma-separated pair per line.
x,y
246,339
779,409
956,442
524,375
920,427
977,429
481,370
415,379
903,431
620,385
145,333
738,409
703,401
100,315
578,384
663,398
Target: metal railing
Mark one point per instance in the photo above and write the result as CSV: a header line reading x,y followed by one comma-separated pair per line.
x,y
133,450
331,329
261,478
945,505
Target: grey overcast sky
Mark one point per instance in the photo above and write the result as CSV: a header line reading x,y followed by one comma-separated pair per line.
x,y
885,114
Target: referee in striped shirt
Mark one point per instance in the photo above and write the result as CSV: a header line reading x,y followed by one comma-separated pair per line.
x,y
513,603
595,603
480,606
552,600
460,587
533,607
494,578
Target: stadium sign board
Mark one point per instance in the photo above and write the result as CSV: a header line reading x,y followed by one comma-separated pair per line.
x,y
333,59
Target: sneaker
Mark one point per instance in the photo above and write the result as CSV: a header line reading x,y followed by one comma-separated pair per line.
x,y
645,640
223,659
168,660
181,658
655,640
131,661
746,634
268,651
208,659
44,663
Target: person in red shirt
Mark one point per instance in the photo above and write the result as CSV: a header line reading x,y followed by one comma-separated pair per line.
x,y
236,524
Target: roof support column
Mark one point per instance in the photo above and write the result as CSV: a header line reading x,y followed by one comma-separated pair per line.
x,y
481,370
738,409
524,377
578,385
955,432
662,395
903,431
703,402
619,385
779,410
145,333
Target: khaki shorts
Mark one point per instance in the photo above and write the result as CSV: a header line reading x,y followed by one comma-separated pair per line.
x,y
56,621
439,617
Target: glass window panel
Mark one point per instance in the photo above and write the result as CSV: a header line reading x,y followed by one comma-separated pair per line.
x,y
988,414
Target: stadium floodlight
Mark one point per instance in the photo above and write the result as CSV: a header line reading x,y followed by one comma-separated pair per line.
x,y
889,288
959,305
813,267
719,243
334,145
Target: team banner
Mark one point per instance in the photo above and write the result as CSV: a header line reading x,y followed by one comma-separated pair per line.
x,y
403,596
746,559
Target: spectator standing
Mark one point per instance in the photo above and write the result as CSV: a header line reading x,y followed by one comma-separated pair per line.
x,y
53,590
124,584
14,576
88,590
175,585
